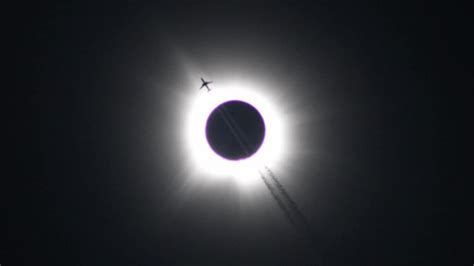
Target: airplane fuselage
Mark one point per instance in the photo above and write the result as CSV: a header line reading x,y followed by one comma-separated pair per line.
x,y
205,84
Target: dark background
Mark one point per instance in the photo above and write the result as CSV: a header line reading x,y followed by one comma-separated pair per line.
x,y
94,181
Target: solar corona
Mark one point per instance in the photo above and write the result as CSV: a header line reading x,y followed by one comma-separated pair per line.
x,y
234,129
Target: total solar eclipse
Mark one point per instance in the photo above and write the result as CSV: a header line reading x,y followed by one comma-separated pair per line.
x,y
235,130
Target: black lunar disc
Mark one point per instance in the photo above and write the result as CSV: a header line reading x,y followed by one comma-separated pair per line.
x,y
235,130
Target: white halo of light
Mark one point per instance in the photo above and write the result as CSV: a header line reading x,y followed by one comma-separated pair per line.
x,y
205,159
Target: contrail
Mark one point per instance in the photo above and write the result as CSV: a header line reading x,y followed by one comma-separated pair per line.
x,y
299,217
277,198
294,215
278,192
233,129
240,132
280,195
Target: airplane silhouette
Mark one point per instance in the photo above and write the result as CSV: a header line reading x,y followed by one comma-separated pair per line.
x,y
205,83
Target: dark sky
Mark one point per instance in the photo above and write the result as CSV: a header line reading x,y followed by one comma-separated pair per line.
x,y
97,177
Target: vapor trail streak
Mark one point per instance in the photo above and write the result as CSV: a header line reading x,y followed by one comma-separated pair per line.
x,y
281,196
297,218
233,130
300,218
240,132
277,198
278,192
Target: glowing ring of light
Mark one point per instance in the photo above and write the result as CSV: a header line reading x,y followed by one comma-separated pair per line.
x,y
199,149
